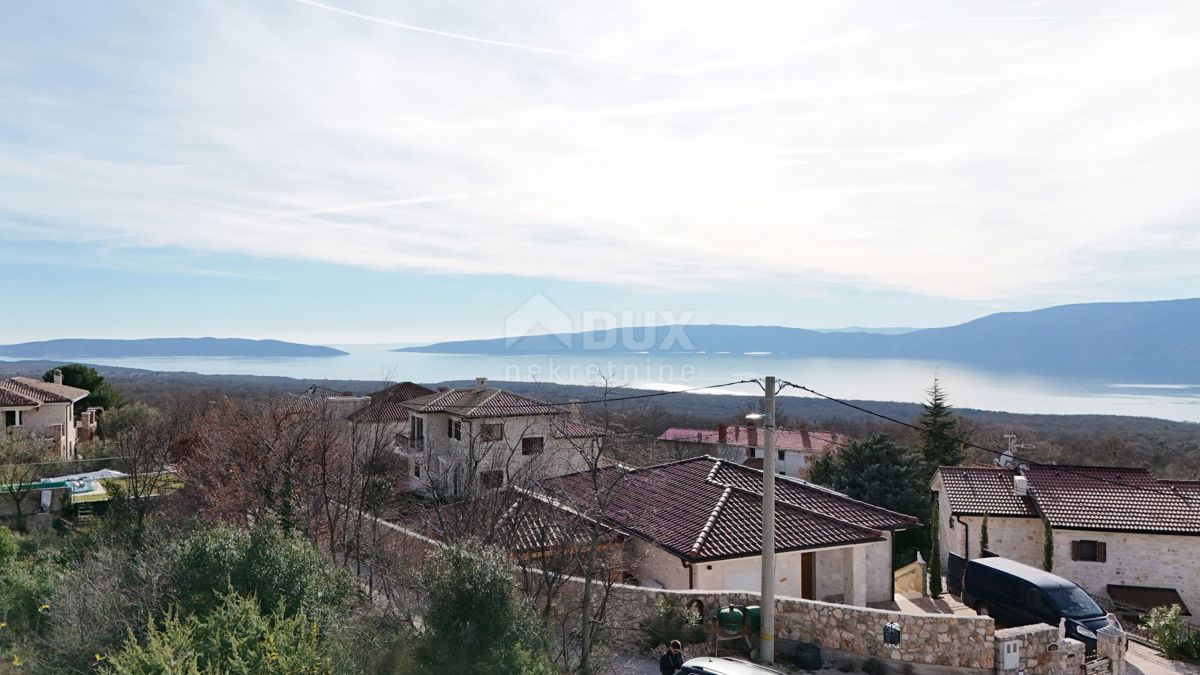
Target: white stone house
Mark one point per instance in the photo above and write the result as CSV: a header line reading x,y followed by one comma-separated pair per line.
x,y
383,422
45,410
795,448
696,524
483,438
1119,533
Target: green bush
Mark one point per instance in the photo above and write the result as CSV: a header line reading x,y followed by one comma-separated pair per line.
x,y
671,622
235,638
1166,627
475,621
283,572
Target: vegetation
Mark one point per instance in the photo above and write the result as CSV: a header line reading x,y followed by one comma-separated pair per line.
x,y
1047,546
103,394
672,622
935,554
983,534
1165,625
942,442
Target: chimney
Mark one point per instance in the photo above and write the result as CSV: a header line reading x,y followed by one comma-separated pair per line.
x,y
751,432
58,376
1020,486
480,383
442,390
575,410
722,433
805,439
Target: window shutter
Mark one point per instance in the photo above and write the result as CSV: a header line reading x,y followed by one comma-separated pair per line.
x,y
1074,550
449,427
1101,552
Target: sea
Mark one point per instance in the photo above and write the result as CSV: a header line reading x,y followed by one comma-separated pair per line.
x,y
880,379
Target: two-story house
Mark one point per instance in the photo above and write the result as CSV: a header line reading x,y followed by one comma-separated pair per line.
x,y
384,422
487,438
1117,532
794,448
44,410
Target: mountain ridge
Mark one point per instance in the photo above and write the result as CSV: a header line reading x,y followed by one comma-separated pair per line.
x,y
164,347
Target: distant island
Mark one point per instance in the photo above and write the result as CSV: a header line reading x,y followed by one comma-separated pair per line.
x,y
1095,338
164,347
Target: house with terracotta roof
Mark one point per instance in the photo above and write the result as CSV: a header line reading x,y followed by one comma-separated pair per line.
x,y
697,524
795,448
481,437
45,410
1117,532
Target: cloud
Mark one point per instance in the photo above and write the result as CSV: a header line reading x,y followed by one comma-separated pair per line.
x,y
897,148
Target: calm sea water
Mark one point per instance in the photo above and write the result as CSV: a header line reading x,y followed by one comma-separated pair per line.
x,y
874,379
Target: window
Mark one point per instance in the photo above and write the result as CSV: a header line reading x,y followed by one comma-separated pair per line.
x,y
750,452
454,429
782,455
416,469
532,445
418,429
491,432
1090,551
491,479
12,418
781,472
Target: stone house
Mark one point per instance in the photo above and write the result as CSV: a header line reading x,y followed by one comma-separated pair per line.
x,y
696,524
795,448
46,410
1121,534
383,422
485,438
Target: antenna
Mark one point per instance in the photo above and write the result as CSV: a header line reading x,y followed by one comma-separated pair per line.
x,y
1008,458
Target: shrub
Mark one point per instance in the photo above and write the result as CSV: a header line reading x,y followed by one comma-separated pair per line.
x,y
672,622
236,637
1166,627
281,571
475,622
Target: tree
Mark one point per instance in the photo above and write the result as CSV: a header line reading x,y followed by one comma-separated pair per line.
x,y
102,393
21,464
983,535
1047,546
236,637
878,471
935,555
475,622
941,432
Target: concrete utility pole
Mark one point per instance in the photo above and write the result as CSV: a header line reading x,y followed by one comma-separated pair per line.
x,y
766,649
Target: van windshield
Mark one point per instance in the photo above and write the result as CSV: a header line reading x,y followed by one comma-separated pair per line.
x,y
1073,603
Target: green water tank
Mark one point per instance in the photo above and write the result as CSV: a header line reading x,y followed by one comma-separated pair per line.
x,y
754,614
730,619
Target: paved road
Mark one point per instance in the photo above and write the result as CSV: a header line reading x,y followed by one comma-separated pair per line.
x,y
1142,660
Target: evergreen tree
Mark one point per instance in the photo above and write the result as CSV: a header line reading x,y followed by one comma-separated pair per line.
x,y
941,432
101,392
935,555
878,471
983,535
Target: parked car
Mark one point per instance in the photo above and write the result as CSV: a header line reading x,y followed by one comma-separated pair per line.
x,y
1015,594
711,665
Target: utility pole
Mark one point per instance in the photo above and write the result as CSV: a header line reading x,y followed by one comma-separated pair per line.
x,y
766,649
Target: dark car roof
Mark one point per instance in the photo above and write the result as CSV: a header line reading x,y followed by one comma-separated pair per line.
x,y
1039,578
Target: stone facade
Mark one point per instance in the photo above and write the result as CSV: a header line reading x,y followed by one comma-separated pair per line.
x,y
1133,559
1039,651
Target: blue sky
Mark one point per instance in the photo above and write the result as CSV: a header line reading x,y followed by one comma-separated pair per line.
x,y
406,171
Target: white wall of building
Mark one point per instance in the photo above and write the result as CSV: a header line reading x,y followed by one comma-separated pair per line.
x,y
49,414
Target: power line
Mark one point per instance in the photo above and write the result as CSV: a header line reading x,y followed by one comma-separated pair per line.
x,y
970,444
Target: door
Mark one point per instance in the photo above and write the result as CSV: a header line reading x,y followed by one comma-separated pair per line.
x,y
808,576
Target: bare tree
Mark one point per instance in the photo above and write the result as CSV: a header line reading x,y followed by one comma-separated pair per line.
x,y
22,462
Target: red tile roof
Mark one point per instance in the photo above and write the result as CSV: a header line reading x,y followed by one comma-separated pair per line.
x,y
14,399
1109,498
800,440
476,403
1079,497
687,509
976,490
42,392
385,403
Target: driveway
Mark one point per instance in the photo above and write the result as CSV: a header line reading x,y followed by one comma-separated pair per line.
x,y
1142,660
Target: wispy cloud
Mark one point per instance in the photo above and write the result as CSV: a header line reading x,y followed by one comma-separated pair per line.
x,y
844,145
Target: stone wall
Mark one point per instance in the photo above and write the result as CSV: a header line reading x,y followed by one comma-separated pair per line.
x,y
959,642
1166,561
1038,651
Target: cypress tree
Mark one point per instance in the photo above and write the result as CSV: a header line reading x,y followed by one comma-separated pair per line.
x,y
935,556
983,535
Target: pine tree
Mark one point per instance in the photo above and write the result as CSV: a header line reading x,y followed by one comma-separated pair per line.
x,y
983,535
935,556
941,432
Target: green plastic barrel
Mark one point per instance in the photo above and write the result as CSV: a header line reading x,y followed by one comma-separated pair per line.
x,y
754,613
730,619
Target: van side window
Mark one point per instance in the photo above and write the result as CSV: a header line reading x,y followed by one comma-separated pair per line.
x,y
1091,551
1035,600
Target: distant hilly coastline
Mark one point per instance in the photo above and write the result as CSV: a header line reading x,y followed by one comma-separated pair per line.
x,y
1130,337
164,347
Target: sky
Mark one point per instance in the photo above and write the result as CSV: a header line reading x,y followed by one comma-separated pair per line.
x,y
355,171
